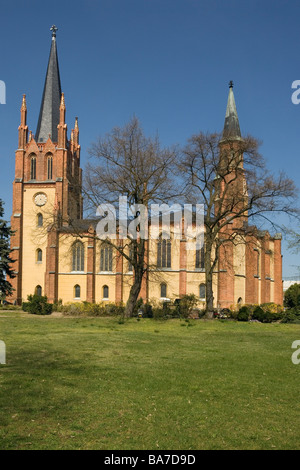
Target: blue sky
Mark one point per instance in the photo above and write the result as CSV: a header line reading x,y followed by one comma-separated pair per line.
x,y
166,61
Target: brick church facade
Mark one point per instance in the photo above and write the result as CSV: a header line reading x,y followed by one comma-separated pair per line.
x,y
64,260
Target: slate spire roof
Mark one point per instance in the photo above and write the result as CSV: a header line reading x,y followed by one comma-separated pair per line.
x,y
49,112
231,125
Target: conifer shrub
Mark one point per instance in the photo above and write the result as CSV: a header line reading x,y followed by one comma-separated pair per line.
x,y
243,314
37,305
258,314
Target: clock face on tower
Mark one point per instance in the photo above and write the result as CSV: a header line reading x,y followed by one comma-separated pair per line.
x,y
40,199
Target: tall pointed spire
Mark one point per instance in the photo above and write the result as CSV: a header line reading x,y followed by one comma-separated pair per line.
x,y
49,113
231,125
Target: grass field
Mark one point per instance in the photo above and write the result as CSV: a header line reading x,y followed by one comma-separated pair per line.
x,y
92,383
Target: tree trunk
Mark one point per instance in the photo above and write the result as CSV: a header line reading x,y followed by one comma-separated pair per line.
x,y
209,282
138,266
133,296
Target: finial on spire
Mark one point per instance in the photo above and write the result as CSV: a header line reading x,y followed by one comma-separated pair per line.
x,y
76,123
24,102
62,101
53,29
231,84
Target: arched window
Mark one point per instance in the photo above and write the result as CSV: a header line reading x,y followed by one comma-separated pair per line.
x,y
50,167
106,258
38,290
77,291
200,258
40,220
105,292
39,255
163,290
78,257
202,291
164,253
240,300
33,168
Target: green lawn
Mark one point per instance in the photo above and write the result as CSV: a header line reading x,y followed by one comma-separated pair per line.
x,y
91,383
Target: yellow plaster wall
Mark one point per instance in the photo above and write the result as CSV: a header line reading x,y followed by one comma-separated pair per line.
x,y
33,273
240,271
66,284
105,280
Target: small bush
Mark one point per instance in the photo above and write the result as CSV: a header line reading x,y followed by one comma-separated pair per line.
x,y
224,314
243,314
115,310
147,311
7,306
90,309
233,314
186,305
58,306
159,313
201,312
37,305
291,316
270,307
258,314
292,296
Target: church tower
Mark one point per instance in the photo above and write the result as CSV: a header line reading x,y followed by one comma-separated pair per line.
x,y
47,185
233,200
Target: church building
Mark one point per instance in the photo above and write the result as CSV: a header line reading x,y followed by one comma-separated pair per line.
x,y
56,253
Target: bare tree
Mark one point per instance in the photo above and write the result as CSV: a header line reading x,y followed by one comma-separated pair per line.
x,y
229,176
126,163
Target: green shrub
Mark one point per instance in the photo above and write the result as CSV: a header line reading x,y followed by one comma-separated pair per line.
x,y
201,312
58,306
90,309
159,314
271,307
147,310
243,314
6,306
258,314
292,296
291,316
37,305
115,310
233,314
186,305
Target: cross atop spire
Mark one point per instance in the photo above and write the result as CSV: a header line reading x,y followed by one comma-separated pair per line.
x,y
53,29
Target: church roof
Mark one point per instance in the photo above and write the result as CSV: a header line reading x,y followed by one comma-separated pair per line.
x,y
231,125
49,112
